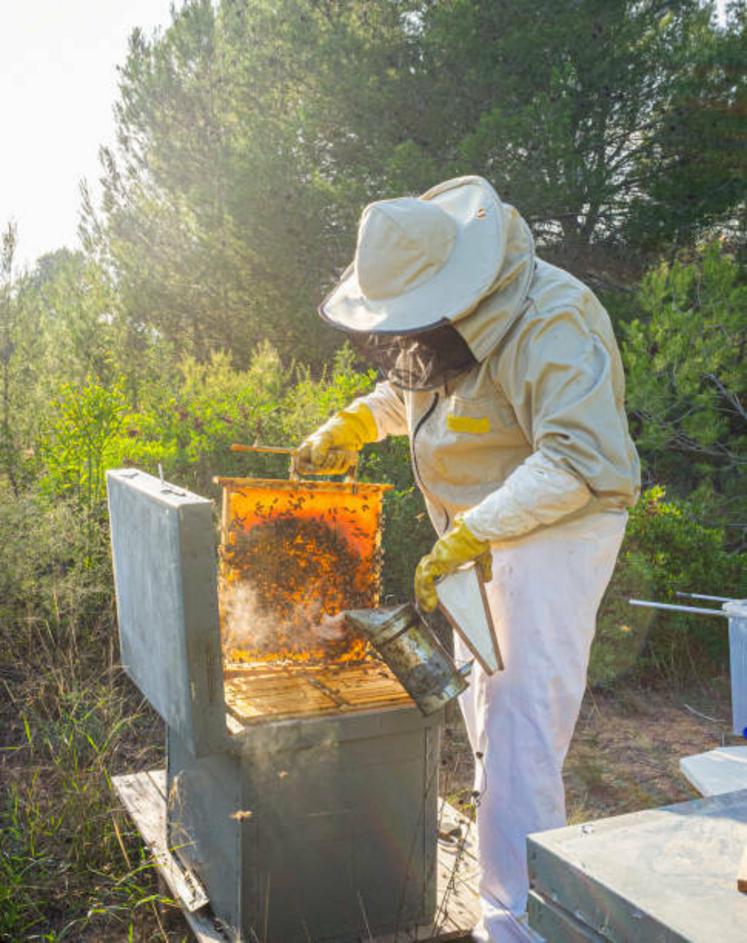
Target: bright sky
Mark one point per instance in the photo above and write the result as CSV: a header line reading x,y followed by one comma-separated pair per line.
x,y
58,82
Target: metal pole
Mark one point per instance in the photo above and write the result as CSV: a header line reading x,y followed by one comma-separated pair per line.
x,y
701,596
692,610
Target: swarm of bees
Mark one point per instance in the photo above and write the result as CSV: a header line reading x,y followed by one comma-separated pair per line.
x,y
300,570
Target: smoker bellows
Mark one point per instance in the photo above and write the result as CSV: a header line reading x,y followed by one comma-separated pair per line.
x,y
302,780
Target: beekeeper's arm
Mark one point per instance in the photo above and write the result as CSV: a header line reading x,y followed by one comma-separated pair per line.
x,y
557,376
333,447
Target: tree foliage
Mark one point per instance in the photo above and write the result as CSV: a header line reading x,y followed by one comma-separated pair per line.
x,y
666,549
687,381
250,135
561,104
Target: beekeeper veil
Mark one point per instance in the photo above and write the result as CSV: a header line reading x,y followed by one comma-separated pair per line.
x,y
436,281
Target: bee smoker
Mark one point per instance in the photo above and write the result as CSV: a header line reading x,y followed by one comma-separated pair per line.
x,y
411,649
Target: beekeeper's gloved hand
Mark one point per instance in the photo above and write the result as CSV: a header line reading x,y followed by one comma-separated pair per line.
x,y
333,448
456,547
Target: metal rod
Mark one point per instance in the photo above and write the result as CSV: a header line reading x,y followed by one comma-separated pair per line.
x,y
692,610
701,596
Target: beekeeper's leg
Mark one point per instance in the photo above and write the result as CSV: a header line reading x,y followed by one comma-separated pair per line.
x,y
544,597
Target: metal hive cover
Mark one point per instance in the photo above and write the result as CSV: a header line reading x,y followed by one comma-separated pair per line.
x,y
664,875
165,578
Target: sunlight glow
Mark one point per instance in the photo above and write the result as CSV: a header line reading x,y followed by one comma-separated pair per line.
x,y
58,82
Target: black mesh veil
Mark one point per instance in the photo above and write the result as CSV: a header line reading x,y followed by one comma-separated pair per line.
x,y
421,361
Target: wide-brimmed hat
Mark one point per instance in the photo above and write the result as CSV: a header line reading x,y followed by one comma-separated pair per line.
x,y
421,261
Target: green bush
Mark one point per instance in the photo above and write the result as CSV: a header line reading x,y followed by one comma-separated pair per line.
x,y
213,404
408,532
189,433
687,382
80,441
665,550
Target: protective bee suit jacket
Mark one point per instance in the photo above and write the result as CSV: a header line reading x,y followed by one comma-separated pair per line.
x,y
536,430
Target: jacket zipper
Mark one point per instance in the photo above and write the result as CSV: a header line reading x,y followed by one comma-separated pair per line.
x,y
418,477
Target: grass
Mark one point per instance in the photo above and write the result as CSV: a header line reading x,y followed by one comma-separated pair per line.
x,y
71,865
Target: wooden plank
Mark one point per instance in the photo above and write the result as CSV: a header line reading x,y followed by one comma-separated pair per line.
x,y
332,694
462,828
158,778
202,924
458,909
742,873
457,877
146,804
234,726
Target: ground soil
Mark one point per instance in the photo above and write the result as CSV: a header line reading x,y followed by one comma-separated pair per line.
x,y
626,749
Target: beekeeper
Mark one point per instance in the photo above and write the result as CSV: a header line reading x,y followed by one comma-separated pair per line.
x,y
504,372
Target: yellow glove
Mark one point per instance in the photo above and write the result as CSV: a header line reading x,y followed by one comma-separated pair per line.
x,y
332,449
449,552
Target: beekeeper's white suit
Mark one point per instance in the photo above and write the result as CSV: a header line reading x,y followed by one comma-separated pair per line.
x,y
528,451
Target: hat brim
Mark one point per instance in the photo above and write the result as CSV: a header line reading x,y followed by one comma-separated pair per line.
x,y
465,278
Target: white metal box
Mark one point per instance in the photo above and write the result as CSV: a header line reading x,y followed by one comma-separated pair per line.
x,y
663,875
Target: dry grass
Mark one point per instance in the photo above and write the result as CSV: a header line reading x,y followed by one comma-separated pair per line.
x,y
628,743
71,866
626,749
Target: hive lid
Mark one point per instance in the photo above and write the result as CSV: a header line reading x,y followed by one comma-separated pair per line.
x,y
165,578
666,874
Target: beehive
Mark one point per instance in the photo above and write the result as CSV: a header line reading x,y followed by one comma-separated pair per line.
x,y
306,815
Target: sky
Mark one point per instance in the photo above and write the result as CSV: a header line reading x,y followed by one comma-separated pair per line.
x,y
58,84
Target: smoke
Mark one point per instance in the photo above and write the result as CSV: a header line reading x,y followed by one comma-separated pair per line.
x,y
304,628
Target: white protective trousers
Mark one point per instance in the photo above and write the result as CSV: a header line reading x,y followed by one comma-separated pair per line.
x,y
544,598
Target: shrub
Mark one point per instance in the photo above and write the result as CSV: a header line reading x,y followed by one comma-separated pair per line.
x,y
687,382
408,532
78,443
665,550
